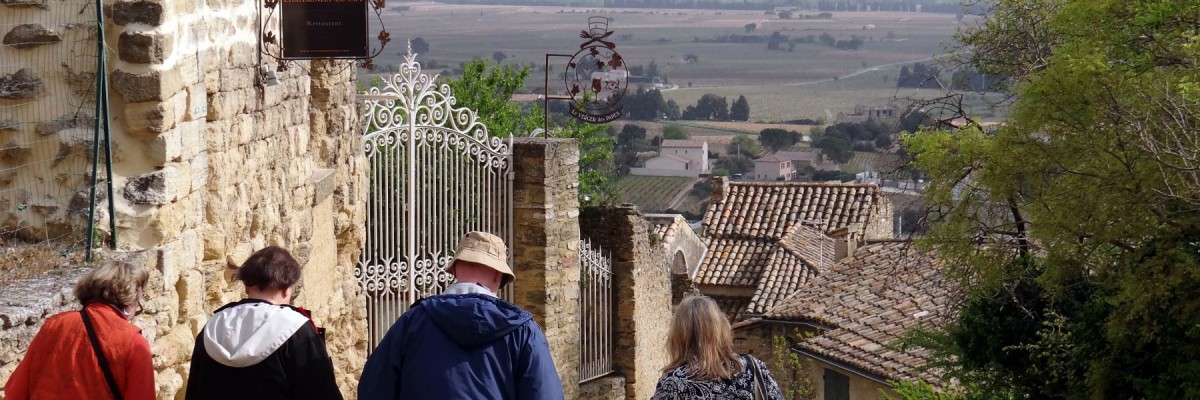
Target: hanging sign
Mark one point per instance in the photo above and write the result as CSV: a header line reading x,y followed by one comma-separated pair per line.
x,y
596,76
323,29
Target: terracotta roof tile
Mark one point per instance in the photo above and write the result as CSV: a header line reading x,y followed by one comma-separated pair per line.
x,y
768,209
666,226
731,305
871,300
681,143
772,236
734,262
800,255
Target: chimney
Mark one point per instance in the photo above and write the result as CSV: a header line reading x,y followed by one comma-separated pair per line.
x,y
845,240
720,185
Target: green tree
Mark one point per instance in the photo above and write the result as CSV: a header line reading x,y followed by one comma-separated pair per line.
x,y
778,139
499,56
835,145
1074,226
419,46
735,164
740,110
745,145
487,89
674,132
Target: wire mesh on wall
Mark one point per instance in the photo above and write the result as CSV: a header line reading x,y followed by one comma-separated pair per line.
x,y
48,65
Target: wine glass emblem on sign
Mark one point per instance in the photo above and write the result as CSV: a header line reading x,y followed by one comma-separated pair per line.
x,y
596,76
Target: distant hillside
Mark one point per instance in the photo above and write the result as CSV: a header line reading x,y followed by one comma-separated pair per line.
x,y
652,194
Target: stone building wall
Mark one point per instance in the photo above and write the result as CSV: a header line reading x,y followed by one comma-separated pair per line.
x,y
47,101
211,165
641,273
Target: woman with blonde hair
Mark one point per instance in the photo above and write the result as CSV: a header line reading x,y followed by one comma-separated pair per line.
x,y
703,364
92,353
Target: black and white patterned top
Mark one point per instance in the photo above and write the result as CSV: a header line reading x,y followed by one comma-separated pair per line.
x,y
675,385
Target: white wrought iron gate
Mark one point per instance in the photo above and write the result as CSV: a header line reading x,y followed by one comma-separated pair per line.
x,y
596,313
435,175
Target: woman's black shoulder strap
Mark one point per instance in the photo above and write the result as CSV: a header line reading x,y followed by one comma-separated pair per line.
x,y
108,375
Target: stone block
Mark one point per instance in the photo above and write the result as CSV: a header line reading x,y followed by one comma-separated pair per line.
x,y
197,103
154,188
233,79
149,12
179,102
191,139
214,244
69,121
200,171
153,85
25,3
214,109
165,148
28,36
15,152
181,184
242,55
144,47
324,183
151,116
20,85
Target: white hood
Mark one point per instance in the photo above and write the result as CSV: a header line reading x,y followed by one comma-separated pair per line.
x,y
246,334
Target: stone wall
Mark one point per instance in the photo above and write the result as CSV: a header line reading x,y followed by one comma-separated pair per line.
x,y
546,246
211,165
641,272
606,388
47,103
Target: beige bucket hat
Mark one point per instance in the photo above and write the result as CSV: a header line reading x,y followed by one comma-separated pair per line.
x,y
484,248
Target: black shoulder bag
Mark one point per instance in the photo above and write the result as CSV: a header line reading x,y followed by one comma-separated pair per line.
x,y
108,376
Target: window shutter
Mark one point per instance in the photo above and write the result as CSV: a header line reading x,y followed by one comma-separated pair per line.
x,y
837,386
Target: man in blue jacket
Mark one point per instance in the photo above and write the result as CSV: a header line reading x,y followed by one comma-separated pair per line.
x,y
465,343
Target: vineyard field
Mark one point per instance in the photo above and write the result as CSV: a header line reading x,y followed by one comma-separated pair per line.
x,y
652,194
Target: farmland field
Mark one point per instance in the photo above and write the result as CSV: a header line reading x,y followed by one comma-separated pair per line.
x,y
652,193
810,82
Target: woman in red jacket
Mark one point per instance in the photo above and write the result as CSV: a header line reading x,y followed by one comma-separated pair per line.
x,y
62,360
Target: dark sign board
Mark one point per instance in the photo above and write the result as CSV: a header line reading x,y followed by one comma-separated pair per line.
x,y
324,29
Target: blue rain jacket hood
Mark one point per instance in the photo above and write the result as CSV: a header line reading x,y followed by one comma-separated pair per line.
x,y
462,346
471,323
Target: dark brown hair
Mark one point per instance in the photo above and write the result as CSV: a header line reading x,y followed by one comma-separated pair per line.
x,y
271,267
115,283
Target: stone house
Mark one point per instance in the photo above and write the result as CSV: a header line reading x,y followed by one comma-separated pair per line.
x,y
678,158
864,113
773,168
846,321
801,159
695,150
765,240
668,165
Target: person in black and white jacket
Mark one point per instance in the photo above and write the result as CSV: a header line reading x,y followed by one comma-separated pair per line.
x,y
261,348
